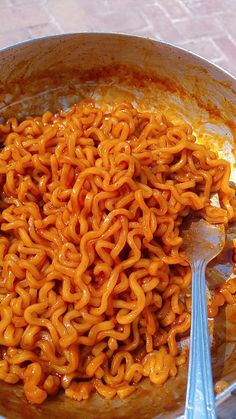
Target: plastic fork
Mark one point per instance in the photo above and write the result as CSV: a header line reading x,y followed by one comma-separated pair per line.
x,y
202,242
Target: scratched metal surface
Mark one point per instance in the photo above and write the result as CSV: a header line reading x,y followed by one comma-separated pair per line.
x,y
53,73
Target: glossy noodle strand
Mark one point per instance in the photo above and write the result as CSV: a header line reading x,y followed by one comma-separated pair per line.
x,y
94,288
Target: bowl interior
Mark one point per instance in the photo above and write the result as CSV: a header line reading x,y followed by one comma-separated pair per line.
x,y
56,72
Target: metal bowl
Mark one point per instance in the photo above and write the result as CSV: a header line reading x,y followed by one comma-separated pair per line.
x,y
54,73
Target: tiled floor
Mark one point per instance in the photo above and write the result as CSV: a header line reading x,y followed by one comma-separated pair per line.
x,y
207,27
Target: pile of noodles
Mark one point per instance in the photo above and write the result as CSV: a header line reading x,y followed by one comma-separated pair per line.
x,y
94,289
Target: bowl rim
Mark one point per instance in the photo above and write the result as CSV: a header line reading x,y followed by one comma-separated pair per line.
x,y
125,35
221,397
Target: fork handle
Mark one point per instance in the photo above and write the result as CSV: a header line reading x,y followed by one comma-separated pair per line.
x,y
200,399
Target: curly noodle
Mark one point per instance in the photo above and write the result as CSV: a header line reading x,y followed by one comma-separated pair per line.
x,y
93,284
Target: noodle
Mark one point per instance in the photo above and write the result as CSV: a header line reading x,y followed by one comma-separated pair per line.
x,y
94,288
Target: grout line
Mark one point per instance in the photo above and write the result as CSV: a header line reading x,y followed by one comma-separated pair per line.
x,y
232,40
162,9
169,16
205,38
52,18
187,10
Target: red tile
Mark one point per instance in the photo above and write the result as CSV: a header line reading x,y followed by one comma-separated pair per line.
x,y
5,3
228,47
21,17
199,26
228,22
23,2
205,47
204,7
227,65
174,9
160,24
12,37
44,30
